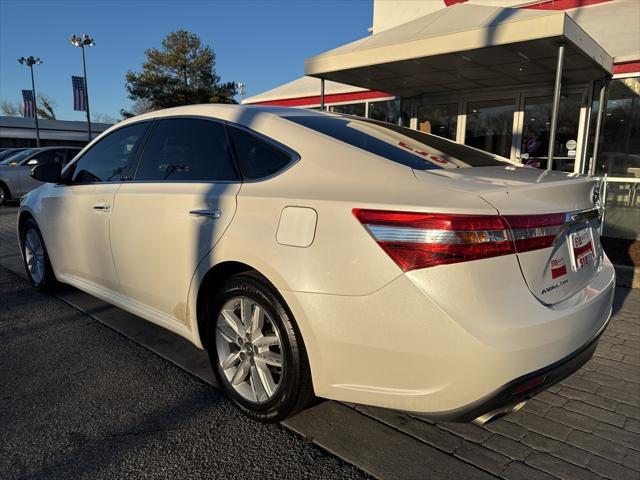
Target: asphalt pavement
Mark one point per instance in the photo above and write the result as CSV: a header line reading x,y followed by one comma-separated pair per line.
x,y
79,400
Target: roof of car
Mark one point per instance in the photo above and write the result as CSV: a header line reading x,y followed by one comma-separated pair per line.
x,y
241,114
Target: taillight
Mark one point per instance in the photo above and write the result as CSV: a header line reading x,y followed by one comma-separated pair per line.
x,y
532,232
420,240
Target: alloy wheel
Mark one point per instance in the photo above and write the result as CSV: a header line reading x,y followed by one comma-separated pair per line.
x,y
34,255
249,349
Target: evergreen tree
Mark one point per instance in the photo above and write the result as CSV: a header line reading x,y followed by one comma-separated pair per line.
x,y
182,72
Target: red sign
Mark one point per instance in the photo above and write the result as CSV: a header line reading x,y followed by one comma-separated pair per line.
x,y
558,268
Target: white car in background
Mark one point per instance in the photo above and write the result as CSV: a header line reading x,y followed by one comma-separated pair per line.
x,y
15,169
319,253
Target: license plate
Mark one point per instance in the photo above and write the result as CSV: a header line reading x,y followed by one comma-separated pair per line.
x,y
583,251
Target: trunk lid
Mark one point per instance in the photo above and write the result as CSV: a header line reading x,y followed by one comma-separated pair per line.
x,y
528,196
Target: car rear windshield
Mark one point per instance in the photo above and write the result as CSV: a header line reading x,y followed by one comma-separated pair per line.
x,y
415,149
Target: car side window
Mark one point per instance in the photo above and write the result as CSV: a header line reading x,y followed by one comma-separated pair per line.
x,y
110,158
256,157
187,150
48,156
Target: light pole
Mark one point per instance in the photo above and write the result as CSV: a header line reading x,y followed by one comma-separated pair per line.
x,y
242,89
81,42
30,62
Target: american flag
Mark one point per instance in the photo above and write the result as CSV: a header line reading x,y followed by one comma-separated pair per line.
x,y
29,105
79,98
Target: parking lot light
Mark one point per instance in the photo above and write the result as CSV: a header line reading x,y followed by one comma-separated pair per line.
x,y
30,61
81,42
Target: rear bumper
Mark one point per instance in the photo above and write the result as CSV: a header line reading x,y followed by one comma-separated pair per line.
x,y
516,390
447,343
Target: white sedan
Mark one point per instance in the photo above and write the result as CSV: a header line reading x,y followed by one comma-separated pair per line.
x,y
313,253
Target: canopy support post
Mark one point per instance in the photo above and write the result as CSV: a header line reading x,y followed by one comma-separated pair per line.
x,y
556,106
322,94
596,139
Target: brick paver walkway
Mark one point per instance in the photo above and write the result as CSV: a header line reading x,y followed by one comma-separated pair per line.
x,y
586,427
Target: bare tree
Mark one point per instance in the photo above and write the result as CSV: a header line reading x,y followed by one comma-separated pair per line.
x,y
142,105
46,107
102,118
10,109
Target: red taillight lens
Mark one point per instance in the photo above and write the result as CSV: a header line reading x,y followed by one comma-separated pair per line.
x,y
419,240
531,232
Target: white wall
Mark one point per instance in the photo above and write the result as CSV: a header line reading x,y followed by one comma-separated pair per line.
x,y
389,13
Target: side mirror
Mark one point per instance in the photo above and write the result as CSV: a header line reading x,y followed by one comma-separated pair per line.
x,y
48,172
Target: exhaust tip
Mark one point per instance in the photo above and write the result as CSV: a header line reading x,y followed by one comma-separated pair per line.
x,y
498,413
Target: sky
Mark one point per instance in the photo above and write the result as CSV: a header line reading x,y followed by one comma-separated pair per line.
x,y
262,43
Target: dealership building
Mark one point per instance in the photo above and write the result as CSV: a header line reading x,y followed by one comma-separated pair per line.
x,y
503,76
21,132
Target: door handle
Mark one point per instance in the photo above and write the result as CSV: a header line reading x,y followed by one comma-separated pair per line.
x,y
214,213
102,207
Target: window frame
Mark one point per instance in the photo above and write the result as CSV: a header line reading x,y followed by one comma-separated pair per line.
x,y
156,121
134,161
71,153
292,154
143,143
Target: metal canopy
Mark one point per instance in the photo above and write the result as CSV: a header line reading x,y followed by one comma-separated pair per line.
x,y
466,47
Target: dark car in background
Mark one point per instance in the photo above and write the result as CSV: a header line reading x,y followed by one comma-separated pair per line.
x,y
7,152
15,169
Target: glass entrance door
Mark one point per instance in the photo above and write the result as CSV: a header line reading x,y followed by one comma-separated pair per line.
x,y
439,119
489,126
536,123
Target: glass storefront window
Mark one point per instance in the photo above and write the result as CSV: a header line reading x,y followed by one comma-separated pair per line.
x,y
534,150
619,154
441,120
622,210
350,109
387,111
490,126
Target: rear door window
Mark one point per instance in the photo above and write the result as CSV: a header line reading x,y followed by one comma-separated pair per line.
x,y
187,150
257,158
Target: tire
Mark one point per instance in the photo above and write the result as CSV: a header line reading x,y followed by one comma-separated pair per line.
x,y
5,194
253,381
35,258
